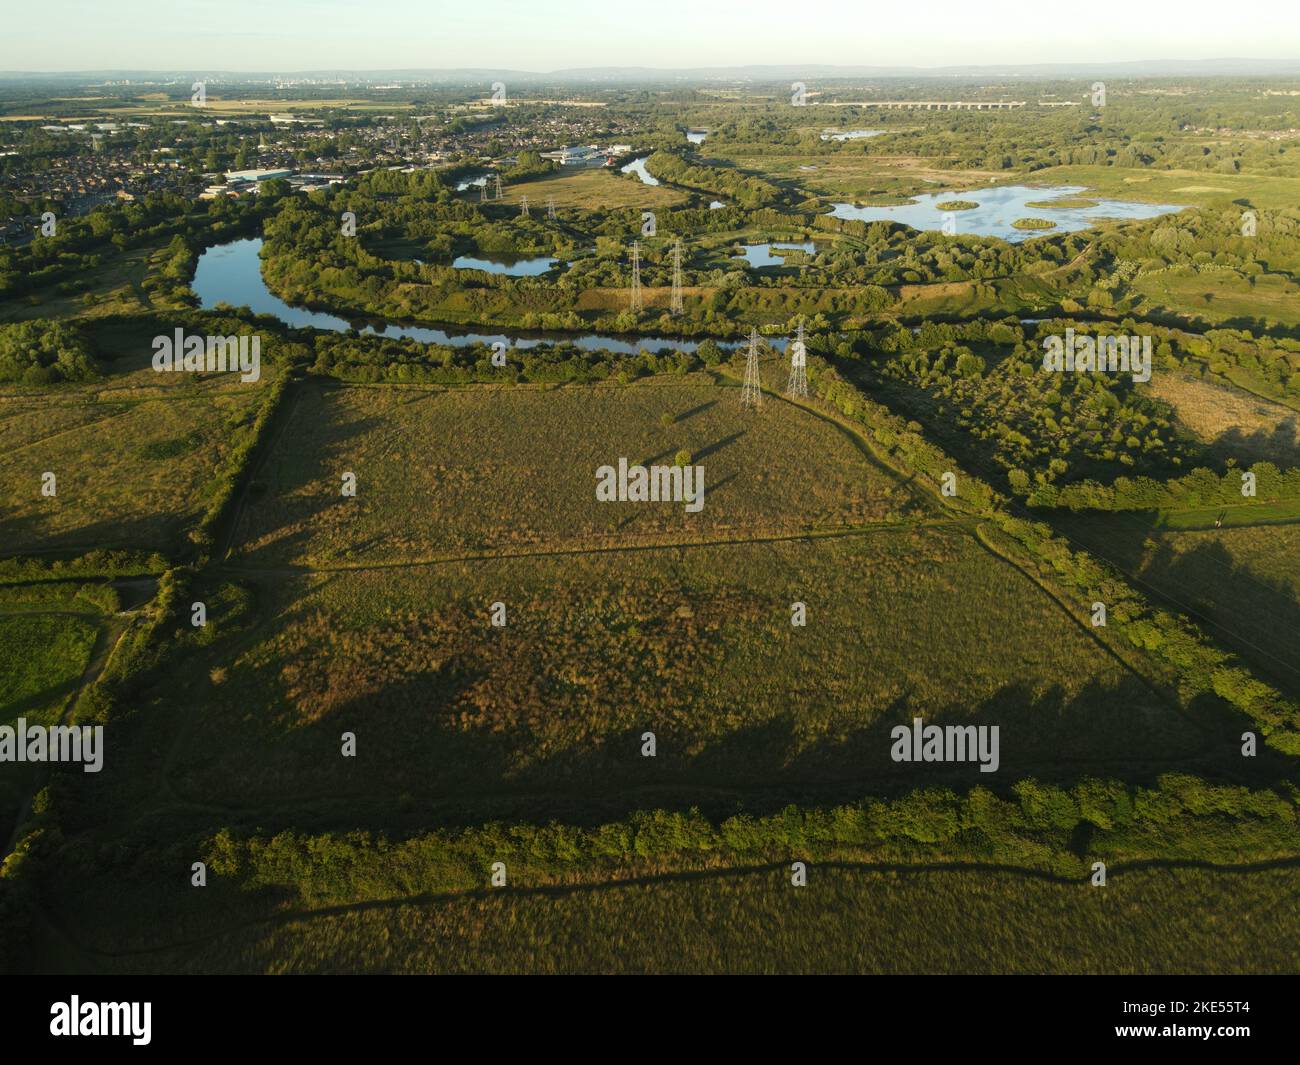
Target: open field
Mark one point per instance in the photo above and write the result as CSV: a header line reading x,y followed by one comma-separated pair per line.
x,y
594,189
1242,583
694,643
444,473
1220,296
112,289
856,176
47,636
646,711
133,454
43,657
846,920
1194,187
1233,423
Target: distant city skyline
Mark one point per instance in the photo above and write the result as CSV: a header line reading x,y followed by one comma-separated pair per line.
x,y
287,36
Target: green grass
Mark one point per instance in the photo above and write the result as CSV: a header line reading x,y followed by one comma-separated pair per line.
x,y
1190,187
442,474
1222,296
41,659
596,189
115,288
845,920
853,175
133,454
695,644
47,636
1239,581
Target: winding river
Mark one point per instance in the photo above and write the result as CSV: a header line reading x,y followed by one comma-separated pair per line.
x,y
232,274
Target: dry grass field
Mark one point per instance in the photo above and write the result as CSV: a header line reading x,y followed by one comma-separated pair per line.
x,y
441,474
1234,423
596,189
132,453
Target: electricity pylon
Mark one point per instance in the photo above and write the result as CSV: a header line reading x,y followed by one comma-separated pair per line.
x,y
498,177
550,208
635,301
797,385
523,207
675,301
751,393
482,192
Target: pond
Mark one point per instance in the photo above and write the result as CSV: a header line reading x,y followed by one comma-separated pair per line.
x,y
999,207
232,273
760,255
517,268
696,136
637,167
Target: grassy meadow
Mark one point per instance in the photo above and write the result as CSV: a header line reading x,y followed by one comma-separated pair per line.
x,y
844,921
1239,581
1231,422
696,644
134,455
442,474
48,636
592,189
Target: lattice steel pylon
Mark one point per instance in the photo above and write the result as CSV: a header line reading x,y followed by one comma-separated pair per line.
x,y
523,207
675,305
635,298
498,179
482,192
751,393
797,385
550,208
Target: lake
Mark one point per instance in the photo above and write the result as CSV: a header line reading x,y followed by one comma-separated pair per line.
x,y
517,268
1001,206
232,273
637,167
760,255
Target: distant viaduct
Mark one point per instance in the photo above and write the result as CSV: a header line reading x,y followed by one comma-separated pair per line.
x,y
932,105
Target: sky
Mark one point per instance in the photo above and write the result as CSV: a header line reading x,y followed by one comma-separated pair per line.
x,y
282,36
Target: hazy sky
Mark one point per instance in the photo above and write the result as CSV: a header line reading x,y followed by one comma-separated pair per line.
x,y
288,35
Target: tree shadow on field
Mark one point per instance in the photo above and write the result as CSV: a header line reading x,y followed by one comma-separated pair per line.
x,y
34,534
1279,444
1118,537
421,763
714,448
1249,612
264,515
688,414
1256,615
